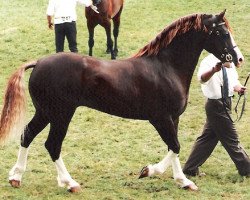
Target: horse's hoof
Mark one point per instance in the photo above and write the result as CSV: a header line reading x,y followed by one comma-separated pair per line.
x,y
144,172
15,183
75,189
191,187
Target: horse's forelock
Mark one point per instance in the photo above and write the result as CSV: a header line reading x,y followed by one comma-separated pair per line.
x,y
227,25
164,38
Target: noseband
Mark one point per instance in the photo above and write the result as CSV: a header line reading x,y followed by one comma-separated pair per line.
x,y
229,57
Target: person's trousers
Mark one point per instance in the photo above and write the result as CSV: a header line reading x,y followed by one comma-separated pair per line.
x,y
218,127
68,30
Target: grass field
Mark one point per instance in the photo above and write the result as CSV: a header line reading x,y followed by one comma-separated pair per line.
x,y
105,153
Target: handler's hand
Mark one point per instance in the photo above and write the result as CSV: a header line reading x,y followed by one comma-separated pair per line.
x,y
217,67
240,89
50,25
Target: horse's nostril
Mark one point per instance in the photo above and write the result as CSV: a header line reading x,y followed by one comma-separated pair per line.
x,y
240,60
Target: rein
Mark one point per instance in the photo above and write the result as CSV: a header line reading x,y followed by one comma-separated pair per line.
x,y
238,118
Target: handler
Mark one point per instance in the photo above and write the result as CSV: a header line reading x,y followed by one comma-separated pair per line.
x,y
218,126
64,12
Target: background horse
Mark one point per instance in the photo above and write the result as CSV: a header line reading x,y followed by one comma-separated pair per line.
x,y
153,85
108,9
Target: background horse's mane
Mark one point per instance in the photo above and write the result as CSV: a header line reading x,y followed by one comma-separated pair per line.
x,y
164,38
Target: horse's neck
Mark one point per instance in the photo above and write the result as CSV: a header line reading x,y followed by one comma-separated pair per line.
x,y
185,50
182,54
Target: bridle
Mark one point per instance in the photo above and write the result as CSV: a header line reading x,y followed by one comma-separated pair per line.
x,y
228,57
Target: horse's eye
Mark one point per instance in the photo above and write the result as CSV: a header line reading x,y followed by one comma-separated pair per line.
x,y
226,35
217,33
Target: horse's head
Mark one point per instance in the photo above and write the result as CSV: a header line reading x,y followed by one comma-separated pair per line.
x,y
220,41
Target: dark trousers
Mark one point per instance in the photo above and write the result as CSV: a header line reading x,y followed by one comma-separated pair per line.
x,y
218,127
67,30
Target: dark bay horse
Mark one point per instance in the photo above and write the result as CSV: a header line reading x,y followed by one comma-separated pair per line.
x,y
108,9
153,85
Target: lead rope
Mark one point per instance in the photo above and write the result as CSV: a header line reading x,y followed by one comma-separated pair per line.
x,y
244,100
236,107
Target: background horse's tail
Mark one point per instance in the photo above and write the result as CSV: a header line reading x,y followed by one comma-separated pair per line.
x,y
13,112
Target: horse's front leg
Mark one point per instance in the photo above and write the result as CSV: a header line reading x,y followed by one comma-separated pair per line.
x,y
167,130
158,168
16,173
91,42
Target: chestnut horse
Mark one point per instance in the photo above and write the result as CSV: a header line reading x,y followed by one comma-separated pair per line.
x,y
108,9
153,85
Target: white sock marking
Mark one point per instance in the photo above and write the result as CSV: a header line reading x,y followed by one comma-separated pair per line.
x,y
64,177
19,168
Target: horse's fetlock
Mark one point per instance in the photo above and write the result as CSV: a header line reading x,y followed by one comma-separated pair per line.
x,y
17,170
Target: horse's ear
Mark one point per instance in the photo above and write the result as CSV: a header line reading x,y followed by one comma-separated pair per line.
x,y
221,15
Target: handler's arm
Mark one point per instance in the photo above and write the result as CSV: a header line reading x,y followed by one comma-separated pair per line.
x,y
50,24
50,13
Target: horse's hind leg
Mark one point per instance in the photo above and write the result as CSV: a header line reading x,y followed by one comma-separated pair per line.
x,y
107,26
116,22
35,126
58,130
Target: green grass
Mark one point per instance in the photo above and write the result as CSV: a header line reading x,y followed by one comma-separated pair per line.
x,y
105,153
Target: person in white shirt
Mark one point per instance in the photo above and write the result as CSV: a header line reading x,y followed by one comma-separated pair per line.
x,y
64,13
218,126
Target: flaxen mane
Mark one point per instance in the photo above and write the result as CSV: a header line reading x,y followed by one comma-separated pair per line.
x,y
164,38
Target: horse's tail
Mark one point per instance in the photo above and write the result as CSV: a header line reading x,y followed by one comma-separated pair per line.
x,y
13,112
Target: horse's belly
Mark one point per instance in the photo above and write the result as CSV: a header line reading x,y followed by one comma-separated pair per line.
x,y
116,108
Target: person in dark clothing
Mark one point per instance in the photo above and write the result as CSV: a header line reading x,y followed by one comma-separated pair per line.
x,y
64,12
218,126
